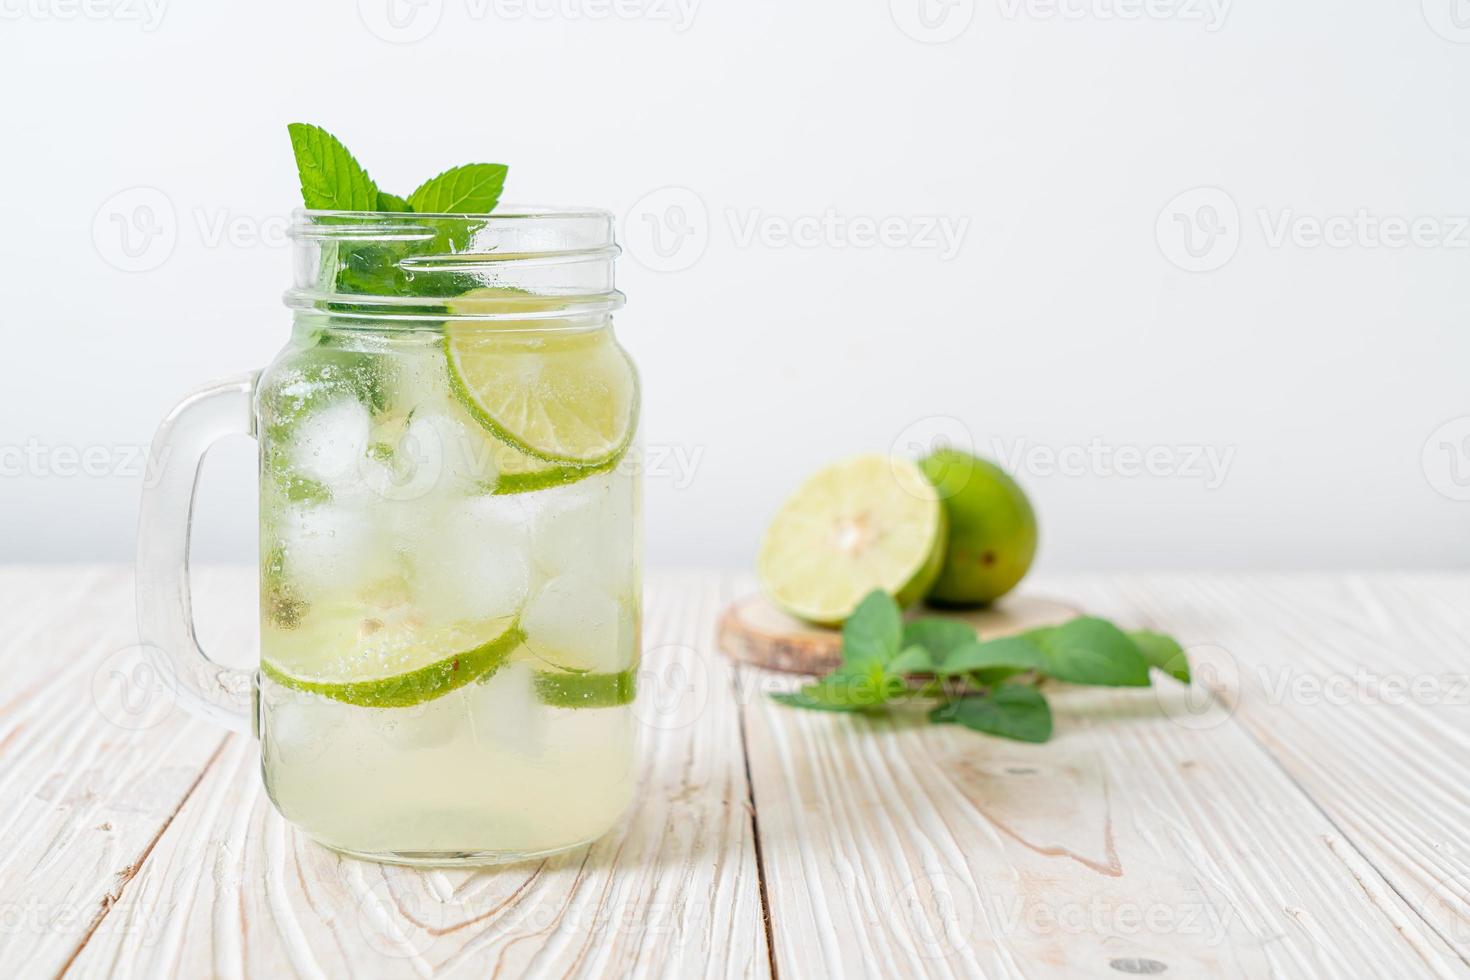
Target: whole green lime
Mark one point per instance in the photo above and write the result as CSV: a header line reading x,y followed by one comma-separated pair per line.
x,y
992,529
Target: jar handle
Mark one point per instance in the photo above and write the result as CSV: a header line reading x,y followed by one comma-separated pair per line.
x,y
209,690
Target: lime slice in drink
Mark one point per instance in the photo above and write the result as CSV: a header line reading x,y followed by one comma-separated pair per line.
x,y
506,304
522,473
567,397
383,657
864,524
567,690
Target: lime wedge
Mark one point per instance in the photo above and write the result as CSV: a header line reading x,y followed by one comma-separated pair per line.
x,y
864,524
347,653
564,396
566,690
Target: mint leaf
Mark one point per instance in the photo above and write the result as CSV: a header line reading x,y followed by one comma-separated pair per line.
x,y
1091,651
811,702
873,633
1015,653
912,660
472,189
847,690
938,636
331,180
1015,711
392,202
1163,652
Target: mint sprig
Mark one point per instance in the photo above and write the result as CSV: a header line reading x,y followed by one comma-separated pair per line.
x,y
472,189
331,177
333,180
1015,711
989,686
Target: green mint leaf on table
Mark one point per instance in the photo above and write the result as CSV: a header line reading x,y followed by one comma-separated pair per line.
x,y
1013,653
873,663
1162,652
392,202
938,636
847,689
879,650
472,189
331,179
911,660
1093,651
873,634
1016,711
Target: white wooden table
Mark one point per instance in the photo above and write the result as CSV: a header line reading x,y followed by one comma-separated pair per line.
x,y
1311,818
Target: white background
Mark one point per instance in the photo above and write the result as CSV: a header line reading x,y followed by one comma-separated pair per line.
x,y
1060,139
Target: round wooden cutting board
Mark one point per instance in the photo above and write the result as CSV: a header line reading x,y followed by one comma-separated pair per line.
x,y
756,632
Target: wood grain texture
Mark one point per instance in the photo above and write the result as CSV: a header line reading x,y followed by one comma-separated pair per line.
x,y
1359,686
232,890
1152,833
95,758
754,631
1309,819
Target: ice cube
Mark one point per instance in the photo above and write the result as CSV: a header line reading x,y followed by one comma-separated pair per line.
x,y
471,558
455,456
589,527
329,445
330,545
572,622
300,727
505,713
421,726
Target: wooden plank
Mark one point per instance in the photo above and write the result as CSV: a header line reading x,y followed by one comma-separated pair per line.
x,y
232,890
1360,687
95,758
1131,842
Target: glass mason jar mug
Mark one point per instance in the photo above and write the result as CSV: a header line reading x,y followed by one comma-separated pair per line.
x,y
450,574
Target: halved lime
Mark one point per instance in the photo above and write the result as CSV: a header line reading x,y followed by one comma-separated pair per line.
x,y
864,524
568,690
564,396
379,656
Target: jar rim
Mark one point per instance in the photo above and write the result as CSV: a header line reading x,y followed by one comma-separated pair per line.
x,y
412,264
514,212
